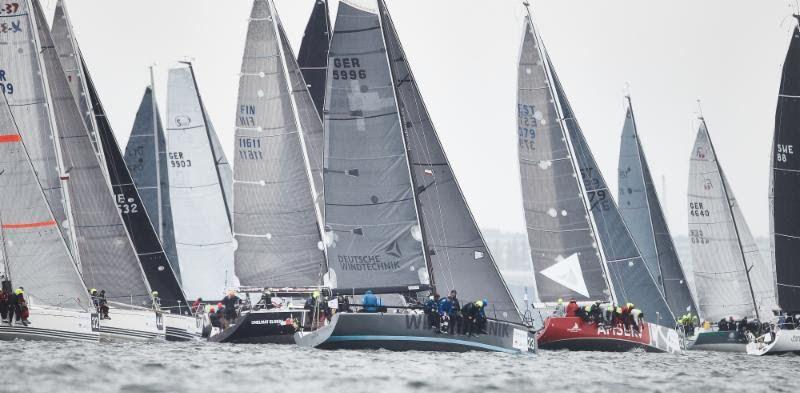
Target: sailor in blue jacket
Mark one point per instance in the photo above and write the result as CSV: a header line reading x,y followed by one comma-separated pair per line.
x,y
445,309
370,302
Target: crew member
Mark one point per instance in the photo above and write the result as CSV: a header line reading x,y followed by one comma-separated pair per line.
x,y
445,308
21,307
472,313
456,323
560,308
266,300
432,310
4,305
231,302
213,318
608,312
572,307
636,319
196,305
370,302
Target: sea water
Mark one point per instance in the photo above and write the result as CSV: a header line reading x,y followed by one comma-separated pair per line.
x,y
210,367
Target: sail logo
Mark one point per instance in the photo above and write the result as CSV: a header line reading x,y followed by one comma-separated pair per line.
x,y
394,250
367,263
183,120
707,185
701,153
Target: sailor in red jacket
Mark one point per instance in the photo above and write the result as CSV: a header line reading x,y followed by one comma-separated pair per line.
x,y
572,307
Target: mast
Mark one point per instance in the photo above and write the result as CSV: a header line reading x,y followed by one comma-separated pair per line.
x,y
62,174
426,252
210,143
301,130
733,217
579,175
159,225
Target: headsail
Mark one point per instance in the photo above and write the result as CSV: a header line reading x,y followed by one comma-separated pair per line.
x,y
146,159
23,83
370,209
199,208
313,54
564,249
33,251
785,182
457,252
726,258
107,257
641,210
276,222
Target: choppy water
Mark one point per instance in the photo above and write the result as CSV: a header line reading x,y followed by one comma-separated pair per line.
x,y
202,367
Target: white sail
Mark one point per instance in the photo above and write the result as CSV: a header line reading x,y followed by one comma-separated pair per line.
x,y
202,226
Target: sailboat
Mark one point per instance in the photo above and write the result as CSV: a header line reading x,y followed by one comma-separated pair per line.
x,y
277,186
200,178
784,186
396,221
726,258
33,252
580,246
313,55
640,208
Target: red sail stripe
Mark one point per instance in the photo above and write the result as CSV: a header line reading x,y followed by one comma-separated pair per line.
x,y
30,225
10,138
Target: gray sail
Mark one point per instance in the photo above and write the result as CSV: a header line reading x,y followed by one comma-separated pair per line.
x,y
564,251
64,39
641,210
145,155
726,258
275,219
628,272
223,165
35,254
107,257
22,81
458,254
373,232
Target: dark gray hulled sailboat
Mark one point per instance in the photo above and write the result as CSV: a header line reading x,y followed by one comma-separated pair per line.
x,y
580,246
34,254
278,182
641,210
103,250
395,220
784,188
730,276
313,55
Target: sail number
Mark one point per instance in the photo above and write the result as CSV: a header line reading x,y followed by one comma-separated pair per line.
x,y
696,236
250,149
526,124
697,209
6,87
599,199
177,160
784,151
9,8
127,205
348,68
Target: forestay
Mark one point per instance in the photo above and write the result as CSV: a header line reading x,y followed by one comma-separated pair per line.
x,y
564,251
370,211
22,81
641,210
785,182
146,159
456,249
31,242
200,220
276,222
313,54
107,258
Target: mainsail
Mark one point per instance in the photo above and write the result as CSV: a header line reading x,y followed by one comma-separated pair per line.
x,y
23,81
630,278
276,218
33,251
641,210
313,54
726,258
107,257
146,159
371,215
785,181
199,206
457,252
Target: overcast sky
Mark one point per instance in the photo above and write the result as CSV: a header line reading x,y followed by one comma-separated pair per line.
x,y
464,56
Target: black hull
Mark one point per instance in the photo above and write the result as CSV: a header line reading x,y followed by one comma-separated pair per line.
x,y
261,327
410,332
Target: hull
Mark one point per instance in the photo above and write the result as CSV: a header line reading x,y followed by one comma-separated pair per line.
x,y
132,325
784,341
54,325
262,327
724,341
183,327
574,334
410,332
